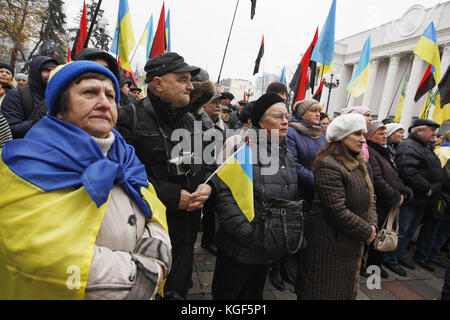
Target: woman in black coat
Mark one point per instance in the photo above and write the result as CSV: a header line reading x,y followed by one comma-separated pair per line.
x,y
242,262
389,188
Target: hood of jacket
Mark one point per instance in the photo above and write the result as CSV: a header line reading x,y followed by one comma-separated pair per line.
x,y
35,80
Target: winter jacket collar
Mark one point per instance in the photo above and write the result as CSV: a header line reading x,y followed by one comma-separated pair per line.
x,y
419,140
384,150
304,127
163,111
351,163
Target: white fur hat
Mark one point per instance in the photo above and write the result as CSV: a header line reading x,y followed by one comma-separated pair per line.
x,y
344,125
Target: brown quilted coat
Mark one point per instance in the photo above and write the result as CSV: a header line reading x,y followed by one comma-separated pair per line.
x,y
338,225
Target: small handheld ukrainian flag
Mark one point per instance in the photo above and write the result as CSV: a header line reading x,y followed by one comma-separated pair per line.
x,y
360,81
237,174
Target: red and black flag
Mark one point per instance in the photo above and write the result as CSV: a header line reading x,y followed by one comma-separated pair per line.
x,y
300,81
444,88
318,94
81,35
252,14
313,67
260,56
426,84
159,42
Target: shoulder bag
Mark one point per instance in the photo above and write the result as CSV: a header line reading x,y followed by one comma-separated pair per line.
x,y
281,224
387,239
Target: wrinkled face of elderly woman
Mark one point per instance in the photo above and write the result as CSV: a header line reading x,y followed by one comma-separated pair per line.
x,y
276,120
91,106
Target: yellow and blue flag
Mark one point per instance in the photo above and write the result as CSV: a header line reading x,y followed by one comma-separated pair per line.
x,y
167,33
123,42
147,37
56,186
324,49
237,174
427,48
360,80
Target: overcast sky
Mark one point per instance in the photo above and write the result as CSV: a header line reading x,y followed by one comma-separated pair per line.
x,y
200,28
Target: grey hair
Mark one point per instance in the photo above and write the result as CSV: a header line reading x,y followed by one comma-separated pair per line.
x,y
420,128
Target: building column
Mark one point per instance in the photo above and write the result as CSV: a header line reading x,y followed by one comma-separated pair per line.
x,y
389,87
413,83
445,61
351,102
373,77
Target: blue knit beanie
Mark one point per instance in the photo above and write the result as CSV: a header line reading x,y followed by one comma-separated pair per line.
x,y
62,76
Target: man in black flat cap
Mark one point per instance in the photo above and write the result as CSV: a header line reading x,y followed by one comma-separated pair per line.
x,y
420,169
178,179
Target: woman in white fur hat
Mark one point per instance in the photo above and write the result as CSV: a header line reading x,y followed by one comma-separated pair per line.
x,y
343,217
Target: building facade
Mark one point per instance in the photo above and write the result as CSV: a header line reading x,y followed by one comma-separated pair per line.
x,y
392,61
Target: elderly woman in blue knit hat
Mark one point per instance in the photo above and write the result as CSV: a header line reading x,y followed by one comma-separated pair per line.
x,y
79,220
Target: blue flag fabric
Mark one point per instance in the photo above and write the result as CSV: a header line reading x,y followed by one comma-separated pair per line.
x,y
283,76
324,50
56,154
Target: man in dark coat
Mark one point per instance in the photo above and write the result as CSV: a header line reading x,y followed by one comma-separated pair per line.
x,y
420,169
13,106
148,128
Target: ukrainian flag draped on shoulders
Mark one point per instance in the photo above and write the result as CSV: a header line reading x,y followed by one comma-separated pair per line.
x,y
56,185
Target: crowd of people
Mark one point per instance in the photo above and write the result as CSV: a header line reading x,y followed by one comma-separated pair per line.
x,y
93,182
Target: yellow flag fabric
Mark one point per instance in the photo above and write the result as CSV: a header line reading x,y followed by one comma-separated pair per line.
x,y
440,115
324,69
401,102
47,238
443,154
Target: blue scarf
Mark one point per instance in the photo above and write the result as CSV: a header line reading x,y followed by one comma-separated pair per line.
x,y
56,154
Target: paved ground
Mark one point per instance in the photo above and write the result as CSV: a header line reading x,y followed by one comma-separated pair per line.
x,y
418,285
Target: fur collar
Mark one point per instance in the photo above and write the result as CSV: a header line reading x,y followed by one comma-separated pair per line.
x,y
351,163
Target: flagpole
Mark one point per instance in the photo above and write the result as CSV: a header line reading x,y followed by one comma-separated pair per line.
x,y
224,163
401,80
138,44
91,28
429,102
228,41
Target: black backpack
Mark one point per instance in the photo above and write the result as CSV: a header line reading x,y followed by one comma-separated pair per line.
x,y
34,114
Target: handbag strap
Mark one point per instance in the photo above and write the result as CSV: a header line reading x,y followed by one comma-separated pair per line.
x,y
393,216
286,244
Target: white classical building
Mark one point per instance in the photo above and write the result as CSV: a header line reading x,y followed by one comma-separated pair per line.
x,y
392,59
